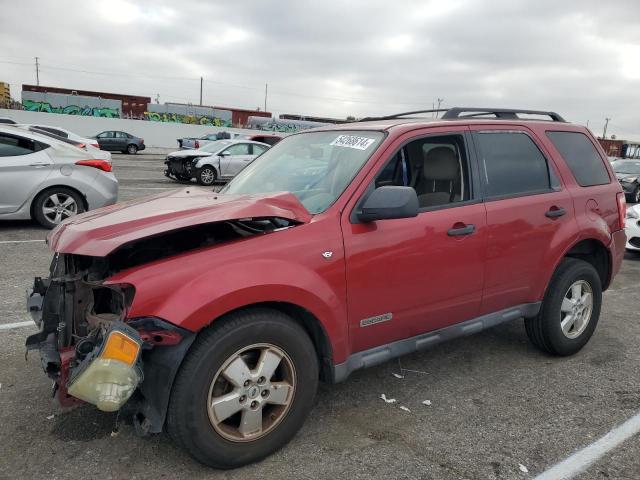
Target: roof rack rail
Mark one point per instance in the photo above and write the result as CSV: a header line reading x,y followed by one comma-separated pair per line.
x,y
456,113
499,113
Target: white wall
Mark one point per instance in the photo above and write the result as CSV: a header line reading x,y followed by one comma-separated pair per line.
x,y
155,134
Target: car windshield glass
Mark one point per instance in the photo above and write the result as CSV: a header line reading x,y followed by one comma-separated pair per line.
x,y
626,167
315,166
215,146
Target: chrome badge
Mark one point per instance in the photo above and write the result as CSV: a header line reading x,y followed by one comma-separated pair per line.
x,y
385,317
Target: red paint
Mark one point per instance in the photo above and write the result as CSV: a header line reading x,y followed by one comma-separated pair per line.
x,y
408,267
67,355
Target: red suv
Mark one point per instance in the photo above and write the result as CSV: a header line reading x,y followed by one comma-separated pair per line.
x,y
214,315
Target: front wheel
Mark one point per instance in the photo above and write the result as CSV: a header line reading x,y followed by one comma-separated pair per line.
x,y
245,388
206,175
570,310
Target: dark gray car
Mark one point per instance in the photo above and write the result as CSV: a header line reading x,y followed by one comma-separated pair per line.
x,y
120,142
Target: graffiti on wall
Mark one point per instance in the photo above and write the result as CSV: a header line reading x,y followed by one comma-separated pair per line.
x,y
188,119
86,111
281,125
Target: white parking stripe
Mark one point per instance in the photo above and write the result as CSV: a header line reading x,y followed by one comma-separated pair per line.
x,y
11,326
20,241
583,459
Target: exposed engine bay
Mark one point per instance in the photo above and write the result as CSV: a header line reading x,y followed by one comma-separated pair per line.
x,y
89,347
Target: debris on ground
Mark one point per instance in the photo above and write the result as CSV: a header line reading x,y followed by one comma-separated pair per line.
x,y
50,417
426,402
402,407
523,469
397,375
388,400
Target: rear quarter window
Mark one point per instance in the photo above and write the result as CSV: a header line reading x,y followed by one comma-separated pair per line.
x,y
581,157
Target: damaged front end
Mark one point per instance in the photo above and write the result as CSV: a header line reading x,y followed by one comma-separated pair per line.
x,y
89,344
84,343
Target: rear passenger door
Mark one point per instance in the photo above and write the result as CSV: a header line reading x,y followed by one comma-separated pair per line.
x,y
530,216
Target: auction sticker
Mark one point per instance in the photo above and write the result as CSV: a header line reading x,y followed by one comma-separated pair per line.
x,y
352,141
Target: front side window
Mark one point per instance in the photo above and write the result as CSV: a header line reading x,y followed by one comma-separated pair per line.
x,y
436,167
237,149
511,164
13,146
314,166
581,157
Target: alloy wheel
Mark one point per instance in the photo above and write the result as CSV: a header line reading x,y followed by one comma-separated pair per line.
x,y
576,309
251,393
59,206
207,176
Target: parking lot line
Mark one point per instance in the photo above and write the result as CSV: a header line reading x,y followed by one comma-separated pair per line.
x,y
583,459
20,241
11,326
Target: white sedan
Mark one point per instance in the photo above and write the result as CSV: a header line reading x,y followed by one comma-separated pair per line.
x,y
88,144
632,228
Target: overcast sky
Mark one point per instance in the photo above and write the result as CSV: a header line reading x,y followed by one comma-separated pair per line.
x,y
579,58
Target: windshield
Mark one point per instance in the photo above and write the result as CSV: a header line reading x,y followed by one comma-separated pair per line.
x,y
315,166
626,167
215,146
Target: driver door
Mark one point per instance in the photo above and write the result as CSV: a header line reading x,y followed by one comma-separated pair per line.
x,y
409,276
234,159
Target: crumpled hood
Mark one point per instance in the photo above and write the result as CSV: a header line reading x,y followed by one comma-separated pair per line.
x,y
100,232
625,176
189,153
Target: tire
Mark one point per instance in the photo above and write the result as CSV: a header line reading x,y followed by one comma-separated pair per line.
x,y
53,205
183,178
190,420
206,175
634,197
132,149
552,330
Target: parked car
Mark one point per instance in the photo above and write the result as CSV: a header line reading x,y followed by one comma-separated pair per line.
x,y
90,145
188,143
49,180
633,228
337,249
120,142
7,121
219,160
628,174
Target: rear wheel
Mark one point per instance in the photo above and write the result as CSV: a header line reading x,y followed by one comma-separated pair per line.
x,y
132,149
206,175
570,310
54,205
245,388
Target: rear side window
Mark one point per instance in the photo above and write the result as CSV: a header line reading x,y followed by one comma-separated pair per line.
x,y
581,157
13,146
511,164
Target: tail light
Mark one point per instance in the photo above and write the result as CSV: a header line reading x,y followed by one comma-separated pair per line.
x,y
141,140
99,164
622,209
96,145
81,145
197,144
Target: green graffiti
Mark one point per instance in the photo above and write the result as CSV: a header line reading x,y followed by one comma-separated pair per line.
x,y
188,119
86,111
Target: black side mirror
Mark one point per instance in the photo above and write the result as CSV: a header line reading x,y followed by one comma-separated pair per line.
x,y
389,202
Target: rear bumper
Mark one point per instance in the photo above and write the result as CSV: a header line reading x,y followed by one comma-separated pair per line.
x,y
617,246
103,191
142,147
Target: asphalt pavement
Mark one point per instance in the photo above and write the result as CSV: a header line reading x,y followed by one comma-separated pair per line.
x,y
498,406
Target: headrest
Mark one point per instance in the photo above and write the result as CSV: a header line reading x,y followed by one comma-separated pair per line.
x,y
441,163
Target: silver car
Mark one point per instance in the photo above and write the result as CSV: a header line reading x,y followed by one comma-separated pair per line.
x,y
219,160
49,180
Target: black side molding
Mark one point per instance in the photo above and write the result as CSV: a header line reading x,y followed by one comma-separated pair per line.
x,y
381,354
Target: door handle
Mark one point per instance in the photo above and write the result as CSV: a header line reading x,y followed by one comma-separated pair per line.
x,y
40,164
554,212
460,231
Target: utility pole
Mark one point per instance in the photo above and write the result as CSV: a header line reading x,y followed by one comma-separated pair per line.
x,y
440,100
200,91
606,124
37,72
266,88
